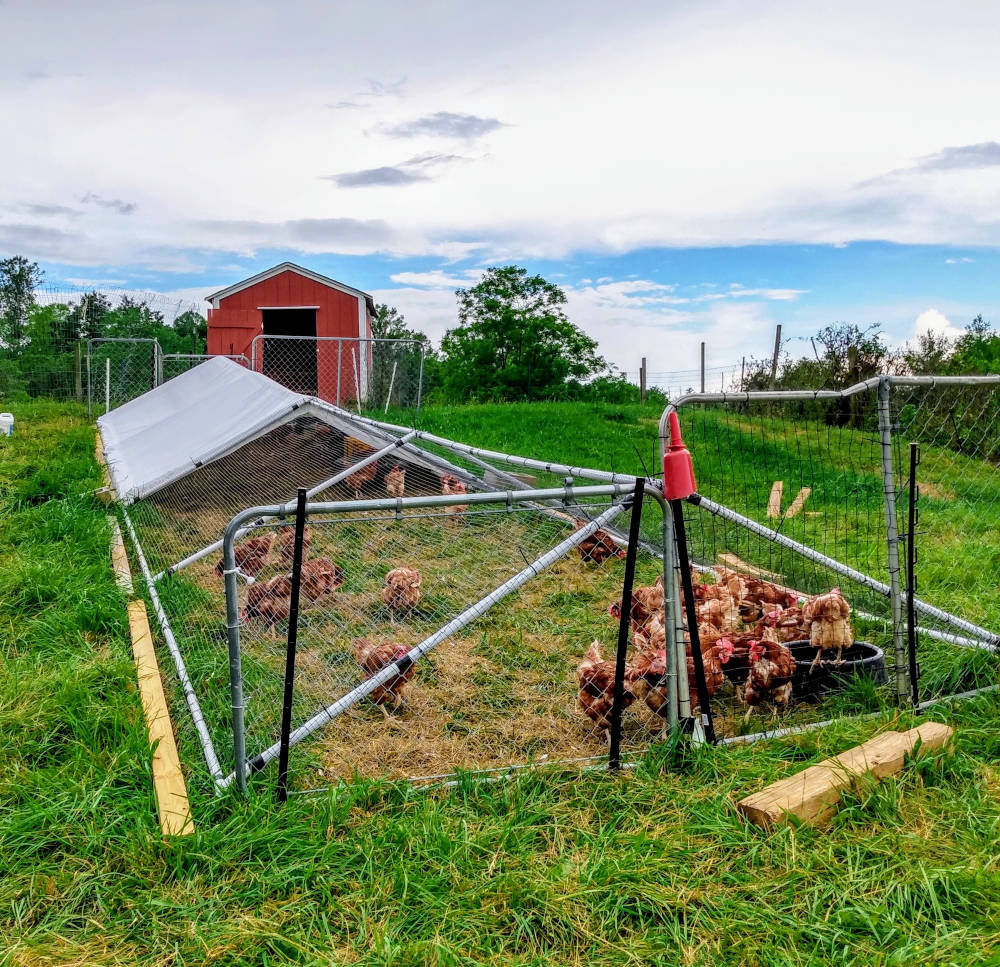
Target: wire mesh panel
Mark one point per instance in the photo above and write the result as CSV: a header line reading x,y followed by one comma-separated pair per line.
x,y
119,370
802,505
958,531
503,690
359,374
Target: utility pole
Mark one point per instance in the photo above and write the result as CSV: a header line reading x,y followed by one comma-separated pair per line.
x,y
777,351
703,367
642,381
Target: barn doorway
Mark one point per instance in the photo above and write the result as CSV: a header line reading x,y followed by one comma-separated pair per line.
x,y
291,362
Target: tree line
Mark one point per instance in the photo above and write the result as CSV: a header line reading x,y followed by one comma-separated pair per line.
x,y
513,342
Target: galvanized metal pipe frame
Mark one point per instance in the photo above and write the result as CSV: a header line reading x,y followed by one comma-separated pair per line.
x,y
190,695
892,540
157,362
327,714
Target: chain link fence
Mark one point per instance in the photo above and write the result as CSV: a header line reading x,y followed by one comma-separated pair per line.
x,y
119,370
359,374
173,364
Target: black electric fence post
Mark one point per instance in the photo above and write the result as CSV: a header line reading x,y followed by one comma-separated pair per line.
x,y
293,633
624,628
687,589
911,575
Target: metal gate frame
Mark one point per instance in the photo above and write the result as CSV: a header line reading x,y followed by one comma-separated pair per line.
x,y
882,385
157,363
679,705
363,375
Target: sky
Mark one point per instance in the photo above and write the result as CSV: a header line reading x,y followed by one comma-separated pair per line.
x,y
686,171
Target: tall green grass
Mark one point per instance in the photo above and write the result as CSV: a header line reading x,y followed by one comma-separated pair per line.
x,y
650,867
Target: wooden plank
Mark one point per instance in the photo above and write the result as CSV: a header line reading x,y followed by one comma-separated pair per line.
x,y
800,501
813,795
737,564
168,780
119,559
774,501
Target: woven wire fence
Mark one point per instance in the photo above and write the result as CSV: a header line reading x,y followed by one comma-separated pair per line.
x,y
800,494
358,374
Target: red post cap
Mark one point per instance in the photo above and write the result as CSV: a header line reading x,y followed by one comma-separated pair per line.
x,y
678,469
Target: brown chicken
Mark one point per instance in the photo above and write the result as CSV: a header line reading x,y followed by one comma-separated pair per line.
x,y
269,602
402,589
450,486
373,658
788,624
286,543
358,480
320,576
646,602
772,668
596,678
395,482
722,613
598,547
829,628
769,596
251,556
649,667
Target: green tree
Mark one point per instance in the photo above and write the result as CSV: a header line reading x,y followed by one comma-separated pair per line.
x,y
189,334
403,356
18,280
514,341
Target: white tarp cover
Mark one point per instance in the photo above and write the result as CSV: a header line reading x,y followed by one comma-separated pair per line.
x,y
198,416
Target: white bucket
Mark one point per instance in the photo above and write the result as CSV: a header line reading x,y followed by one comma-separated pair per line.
x,y
6,424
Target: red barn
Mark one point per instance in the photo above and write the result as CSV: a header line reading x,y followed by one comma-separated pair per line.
x,y
289,307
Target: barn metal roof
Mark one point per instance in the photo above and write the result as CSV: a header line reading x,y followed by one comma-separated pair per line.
x,y
290,267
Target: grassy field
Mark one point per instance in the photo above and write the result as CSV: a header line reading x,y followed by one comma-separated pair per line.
x,y
650,867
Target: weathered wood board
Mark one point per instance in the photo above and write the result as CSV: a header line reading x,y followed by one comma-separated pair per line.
x,y
774,501
800,501
813,795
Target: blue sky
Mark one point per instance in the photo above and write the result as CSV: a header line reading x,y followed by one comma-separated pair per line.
x,y
703,170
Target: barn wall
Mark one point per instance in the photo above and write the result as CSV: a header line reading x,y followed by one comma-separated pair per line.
x,y
238,320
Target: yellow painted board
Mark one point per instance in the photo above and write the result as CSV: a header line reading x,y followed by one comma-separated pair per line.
x,y
168,780
800,501
812,796
119,559
774,501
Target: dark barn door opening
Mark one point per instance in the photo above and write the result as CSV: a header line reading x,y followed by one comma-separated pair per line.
x,y
291,362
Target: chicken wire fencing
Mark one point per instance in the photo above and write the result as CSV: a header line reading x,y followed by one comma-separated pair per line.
x,y
804,493
359,374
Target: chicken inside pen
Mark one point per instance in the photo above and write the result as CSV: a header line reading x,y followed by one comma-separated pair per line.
x,y
402,589
373,657
395,482
452,486
251,556
286,543
598,547
829,628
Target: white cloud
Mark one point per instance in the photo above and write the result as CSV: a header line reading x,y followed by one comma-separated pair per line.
x,y
959,261
932,320
589,159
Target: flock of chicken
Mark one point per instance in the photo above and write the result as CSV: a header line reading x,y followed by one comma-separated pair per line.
x,y
743,622
269,601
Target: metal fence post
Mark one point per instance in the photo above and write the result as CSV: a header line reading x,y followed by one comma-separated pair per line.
x,y
90,389
235,658
892,535
420,380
